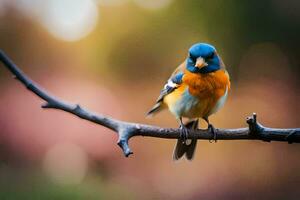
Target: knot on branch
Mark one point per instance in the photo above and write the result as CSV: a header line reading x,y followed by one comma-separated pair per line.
x,y
255,128
47,105
124,135
77,108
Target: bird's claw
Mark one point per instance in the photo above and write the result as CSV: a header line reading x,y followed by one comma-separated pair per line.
x,y
212,129
184,132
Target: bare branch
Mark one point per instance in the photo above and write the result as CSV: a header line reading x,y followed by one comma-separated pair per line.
x,y
126,130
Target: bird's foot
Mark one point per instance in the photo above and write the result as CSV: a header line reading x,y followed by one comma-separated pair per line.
x,y
184,133
213,131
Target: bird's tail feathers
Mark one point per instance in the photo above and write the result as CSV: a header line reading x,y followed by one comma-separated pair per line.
x,y
155,109
187,147
190,152
180,149
184,148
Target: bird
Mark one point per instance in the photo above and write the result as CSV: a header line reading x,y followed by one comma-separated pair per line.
x,y
196,89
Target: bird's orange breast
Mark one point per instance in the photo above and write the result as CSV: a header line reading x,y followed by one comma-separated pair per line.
x,y
206,85
208,88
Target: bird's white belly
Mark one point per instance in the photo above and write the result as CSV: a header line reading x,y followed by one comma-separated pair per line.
x,y
190,106
185,106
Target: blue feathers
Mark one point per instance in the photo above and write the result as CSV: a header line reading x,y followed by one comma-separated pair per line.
x,y
208,53
201,50
177,78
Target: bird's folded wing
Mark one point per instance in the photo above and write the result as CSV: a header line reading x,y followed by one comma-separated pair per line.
x,y
174,82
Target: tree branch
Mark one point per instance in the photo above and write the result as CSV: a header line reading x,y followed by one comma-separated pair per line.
x,y
126,130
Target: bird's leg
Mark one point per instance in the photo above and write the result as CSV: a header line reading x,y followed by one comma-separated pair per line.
x,y
183,131
195,127
212,129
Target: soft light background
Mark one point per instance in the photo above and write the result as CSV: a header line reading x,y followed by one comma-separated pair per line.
x,y
113,57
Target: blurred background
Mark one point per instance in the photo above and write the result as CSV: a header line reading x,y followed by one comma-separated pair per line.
x,y
113,57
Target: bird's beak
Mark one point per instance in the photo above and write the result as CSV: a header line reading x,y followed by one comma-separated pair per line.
x,y
200,63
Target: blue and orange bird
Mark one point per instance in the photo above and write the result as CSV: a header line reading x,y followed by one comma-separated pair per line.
x,y
197,89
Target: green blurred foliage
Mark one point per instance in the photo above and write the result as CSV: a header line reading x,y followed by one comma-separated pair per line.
x,y
33,185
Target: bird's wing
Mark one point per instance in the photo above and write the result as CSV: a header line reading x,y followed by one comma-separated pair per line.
x,y
173,82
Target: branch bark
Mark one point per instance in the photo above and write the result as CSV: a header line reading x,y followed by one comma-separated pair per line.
x,y
127,130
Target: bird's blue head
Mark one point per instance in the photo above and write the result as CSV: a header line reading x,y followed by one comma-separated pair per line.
x,y
203,59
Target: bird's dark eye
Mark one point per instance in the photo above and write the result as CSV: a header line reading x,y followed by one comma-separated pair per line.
x,y
192,57
210,56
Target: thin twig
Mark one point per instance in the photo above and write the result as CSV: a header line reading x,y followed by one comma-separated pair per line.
x,y
126,130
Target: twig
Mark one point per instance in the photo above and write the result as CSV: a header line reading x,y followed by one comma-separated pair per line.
x,y
126,130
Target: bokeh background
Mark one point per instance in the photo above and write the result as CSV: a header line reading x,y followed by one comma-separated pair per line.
x,y
113,57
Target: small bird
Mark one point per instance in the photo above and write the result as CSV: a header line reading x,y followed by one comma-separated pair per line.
x,y
197,89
